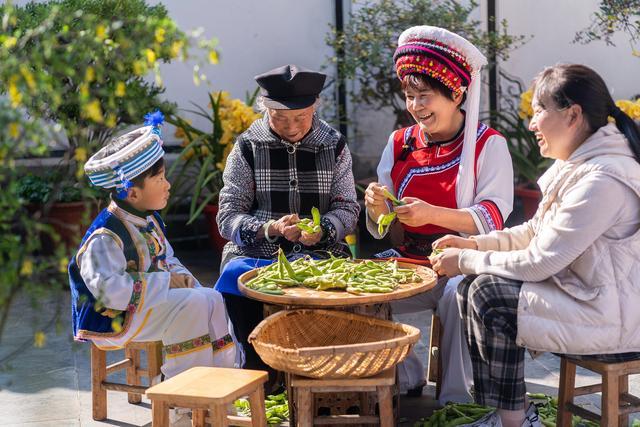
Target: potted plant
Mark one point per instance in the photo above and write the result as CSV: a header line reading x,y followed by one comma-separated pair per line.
x,y
528,163
197,174
83,66
67,208
369,39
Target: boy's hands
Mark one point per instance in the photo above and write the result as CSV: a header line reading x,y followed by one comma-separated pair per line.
x,y
181,281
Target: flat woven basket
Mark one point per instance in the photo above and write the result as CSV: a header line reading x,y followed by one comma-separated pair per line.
x,y
331,344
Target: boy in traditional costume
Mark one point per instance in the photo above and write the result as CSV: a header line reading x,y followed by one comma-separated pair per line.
x,y
126,282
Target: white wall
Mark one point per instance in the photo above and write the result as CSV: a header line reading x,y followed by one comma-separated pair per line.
x,y
553,24
257,35
254,36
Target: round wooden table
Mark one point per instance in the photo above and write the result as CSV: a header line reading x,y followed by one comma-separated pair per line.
x,y
306,297
301,297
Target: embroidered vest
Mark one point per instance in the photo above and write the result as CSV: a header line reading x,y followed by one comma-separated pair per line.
x,y
89,319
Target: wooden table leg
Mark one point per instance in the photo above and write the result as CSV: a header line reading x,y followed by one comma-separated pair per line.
x,y
293,403
160,411
386,406
256,401
218,415
197,417
304,399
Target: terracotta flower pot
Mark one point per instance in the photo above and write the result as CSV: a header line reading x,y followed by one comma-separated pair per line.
x,y
216,240
69,220
530,199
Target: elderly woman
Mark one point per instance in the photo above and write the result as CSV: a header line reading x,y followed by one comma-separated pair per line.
x,y
279,169
560,282
453,174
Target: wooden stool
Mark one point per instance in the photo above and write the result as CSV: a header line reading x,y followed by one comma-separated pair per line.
x,y
304,388
100,371
434,373
211,389
617,403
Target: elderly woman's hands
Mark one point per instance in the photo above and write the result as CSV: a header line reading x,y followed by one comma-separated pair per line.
x,y
310,239
375,200
286,227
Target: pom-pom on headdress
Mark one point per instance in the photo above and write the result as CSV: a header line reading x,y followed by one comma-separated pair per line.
x,y
456,63
127,156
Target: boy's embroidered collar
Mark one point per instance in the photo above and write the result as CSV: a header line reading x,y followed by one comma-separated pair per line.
x,y
126,212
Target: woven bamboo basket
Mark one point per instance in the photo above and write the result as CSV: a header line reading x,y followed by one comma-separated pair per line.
x,y
331,344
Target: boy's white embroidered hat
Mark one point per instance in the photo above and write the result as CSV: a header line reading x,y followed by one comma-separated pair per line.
x,y
109,169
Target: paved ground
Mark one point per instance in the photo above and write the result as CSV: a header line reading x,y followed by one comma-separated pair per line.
x,y
50,386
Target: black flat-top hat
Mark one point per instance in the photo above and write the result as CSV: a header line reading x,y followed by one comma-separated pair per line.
x,y
290,87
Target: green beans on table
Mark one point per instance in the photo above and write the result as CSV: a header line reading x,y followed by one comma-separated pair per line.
x,y
332,274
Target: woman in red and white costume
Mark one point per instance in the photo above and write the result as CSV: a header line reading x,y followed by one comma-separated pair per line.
x,y
453,174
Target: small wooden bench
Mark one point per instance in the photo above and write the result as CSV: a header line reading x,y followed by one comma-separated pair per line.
x,y
134,373
303,389
617,403
210,389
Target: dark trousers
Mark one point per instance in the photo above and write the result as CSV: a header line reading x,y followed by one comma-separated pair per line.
x,y
489,309
245,314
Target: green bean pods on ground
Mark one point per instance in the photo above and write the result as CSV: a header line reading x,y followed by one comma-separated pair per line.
x,y
277,408
459,414
332,274
455,414
548,411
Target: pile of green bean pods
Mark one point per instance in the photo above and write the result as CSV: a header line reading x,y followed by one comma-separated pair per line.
x,y
332,274
455,414
277,408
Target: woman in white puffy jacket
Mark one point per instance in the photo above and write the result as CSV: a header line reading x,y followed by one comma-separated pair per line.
x,y
567,281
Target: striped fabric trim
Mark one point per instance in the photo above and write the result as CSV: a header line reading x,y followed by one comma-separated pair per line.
x,y
132,168
188,346
222,343
488,215
128,164
426,170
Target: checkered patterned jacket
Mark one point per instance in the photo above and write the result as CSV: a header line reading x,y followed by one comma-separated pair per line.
x,y
266,178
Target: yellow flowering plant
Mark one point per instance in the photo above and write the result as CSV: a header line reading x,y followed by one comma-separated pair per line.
x,y
90,67
28,268
528,163
204,152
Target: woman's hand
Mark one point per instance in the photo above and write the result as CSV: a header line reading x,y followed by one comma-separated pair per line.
x,y
375,200
414,212
310,239
286,227
446,262
452,241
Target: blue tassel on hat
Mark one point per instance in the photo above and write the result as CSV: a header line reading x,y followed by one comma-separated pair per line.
x,y
124,185
155,119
